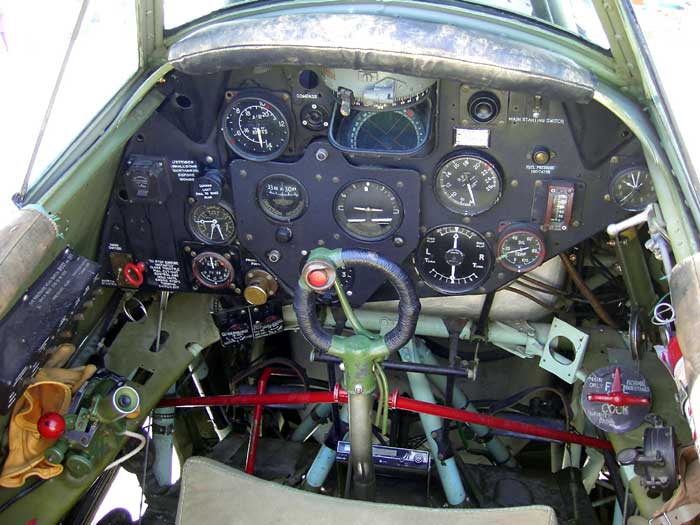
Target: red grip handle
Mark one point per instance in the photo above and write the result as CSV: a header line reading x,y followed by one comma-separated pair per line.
x,y
51,425
133,273
619,399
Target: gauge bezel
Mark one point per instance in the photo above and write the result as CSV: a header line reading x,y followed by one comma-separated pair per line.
x,y
206,240
274,103
202,281
451,206
514,229
350,233
278,218
621,173
452,291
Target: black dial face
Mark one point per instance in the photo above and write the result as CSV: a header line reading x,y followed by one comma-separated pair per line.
x,y
520,249
212,223
399,130
282,198
255,128
468,184
368,210
453,259
212,270
632,189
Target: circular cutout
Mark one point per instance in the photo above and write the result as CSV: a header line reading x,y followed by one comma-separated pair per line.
x,y
483,107
183,101
308,79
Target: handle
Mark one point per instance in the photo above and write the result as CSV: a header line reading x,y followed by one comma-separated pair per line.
x,y
617,397
133,273
315,272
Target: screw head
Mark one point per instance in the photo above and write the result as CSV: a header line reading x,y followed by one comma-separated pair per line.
x,y
358,389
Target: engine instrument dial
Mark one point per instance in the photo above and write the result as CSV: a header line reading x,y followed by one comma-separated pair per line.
x,y
282,197
256,128
212,270
468,184
632,188
453,259
368,210
520,248
212,223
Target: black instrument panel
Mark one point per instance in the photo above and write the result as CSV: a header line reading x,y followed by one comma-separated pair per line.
x,y
502,181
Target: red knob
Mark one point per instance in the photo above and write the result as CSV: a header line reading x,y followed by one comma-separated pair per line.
x,y
133,273
317,278
51,425
617,397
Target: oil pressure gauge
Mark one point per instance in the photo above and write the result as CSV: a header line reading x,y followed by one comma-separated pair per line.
x,y
212,270
521,248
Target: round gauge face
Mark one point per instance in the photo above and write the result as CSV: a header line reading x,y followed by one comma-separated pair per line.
x,y
468,184
212,270
520,249
632,189
368,210
255,128
399,130
282,198
453,259
212,223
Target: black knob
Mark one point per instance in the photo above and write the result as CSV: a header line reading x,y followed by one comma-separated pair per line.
x,y
283,234
483,107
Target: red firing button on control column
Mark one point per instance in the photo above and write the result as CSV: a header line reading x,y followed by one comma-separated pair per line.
x,y
317,278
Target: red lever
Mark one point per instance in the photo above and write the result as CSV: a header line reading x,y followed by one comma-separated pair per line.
x,y
51,425
133,273
617,397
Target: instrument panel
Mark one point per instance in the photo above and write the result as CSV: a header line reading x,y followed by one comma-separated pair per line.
x,y
466,187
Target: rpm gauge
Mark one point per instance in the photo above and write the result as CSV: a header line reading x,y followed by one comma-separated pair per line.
x,y
256,128
368,210
212,223
632,189
453,259
468,184
520,248
212,270
282,197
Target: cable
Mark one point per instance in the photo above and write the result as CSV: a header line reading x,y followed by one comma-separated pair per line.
x,y
298,370
125,457
511,402
531,298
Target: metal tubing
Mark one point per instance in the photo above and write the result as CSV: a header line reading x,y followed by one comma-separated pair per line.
x,y
447,468
420,407
403,367
292,398
395,402
498,450
360,418
310,422
322,465
257,423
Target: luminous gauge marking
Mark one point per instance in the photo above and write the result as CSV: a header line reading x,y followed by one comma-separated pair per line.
x,y
368,210
468,184
282,197
632,189
256,128
212,270
520,248
212,223
453,259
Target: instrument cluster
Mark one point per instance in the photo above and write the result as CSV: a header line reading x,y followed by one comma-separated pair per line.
x,y
465,187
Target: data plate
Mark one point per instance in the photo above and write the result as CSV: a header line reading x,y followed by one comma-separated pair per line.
x,y
27,331
390,457
606,416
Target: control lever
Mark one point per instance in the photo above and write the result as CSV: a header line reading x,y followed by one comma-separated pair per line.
x,y
617,397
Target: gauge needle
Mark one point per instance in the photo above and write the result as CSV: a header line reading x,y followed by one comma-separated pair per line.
x,y
214,225
219,230
368,209
516,251
471,194
259,136
452,273
382,219
211,263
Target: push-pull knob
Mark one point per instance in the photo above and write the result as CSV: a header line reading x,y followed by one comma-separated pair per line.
x,y
133,273
259,287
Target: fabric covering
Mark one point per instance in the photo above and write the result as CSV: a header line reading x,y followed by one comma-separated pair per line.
x,y
215,493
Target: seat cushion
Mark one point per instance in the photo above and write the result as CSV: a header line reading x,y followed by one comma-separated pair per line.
x,y
215,493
